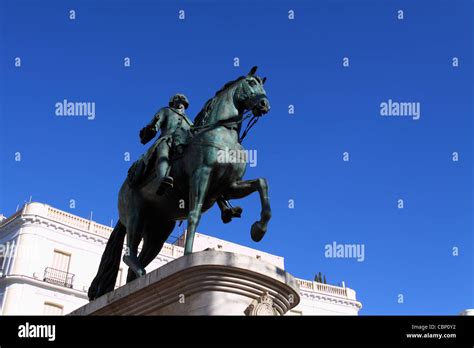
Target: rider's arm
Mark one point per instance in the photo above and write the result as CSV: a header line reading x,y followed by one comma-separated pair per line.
x,y
151,129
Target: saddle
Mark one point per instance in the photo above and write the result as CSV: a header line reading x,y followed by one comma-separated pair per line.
x,y
143,168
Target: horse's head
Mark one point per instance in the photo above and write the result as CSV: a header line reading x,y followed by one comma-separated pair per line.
x,y
251,95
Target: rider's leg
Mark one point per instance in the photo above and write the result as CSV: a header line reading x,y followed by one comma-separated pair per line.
x,y
227,211
162,168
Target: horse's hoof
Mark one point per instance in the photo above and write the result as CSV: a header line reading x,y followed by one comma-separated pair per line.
x,y
126,260
257,231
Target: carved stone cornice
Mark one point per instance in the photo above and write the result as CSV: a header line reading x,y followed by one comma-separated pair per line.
x,y
323,297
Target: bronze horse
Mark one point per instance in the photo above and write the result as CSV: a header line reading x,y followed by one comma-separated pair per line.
x,y
201,178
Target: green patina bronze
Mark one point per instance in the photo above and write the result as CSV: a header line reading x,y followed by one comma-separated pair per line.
x,y
182,175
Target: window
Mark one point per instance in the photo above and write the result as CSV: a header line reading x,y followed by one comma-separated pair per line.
x,y
52,309
61,261
58,273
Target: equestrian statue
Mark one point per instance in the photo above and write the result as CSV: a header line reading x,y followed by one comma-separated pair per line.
x,y
182,175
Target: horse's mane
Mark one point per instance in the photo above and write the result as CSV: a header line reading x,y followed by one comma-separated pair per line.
x,y
200,117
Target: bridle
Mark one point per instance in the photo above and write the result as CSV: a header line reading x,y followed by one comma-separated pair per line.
x,y
229,123
233,121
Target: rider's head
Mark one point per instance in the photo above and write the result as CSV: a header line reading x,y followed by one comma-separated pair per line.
x,y
177,100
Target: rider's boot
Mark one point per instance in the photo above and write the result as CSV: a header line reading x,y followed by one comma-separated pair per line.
x,y
165,181
228,212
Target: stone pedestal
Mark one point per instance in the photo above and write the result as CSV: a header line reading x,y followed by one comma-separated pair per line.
x,y
209,282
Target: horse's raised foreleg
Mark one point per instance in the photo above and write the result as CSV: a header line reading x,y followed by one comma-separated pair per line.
x,y
243,188
198,186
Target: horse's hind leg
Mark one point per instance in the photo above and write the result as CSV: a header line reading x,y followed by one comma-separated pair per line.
x,y
243,188
156,232
135,226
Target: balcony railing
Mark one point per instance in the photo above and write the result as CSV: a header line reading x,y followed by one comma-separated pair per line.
x,y
58,277
320,287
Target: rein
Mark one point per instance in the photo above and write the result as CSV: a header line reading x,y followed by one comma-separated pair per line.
x,y
251,123
230,121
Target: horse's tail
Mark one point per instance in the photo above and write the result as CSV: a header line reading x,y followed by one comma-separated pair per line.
x,y
106,276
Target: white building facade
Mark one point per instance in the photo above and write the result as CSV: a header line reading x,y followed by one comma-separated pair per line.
x,y
49,257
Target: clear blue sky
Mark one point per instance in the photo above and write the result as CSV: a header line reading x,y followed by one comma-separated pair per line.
x,y
407,251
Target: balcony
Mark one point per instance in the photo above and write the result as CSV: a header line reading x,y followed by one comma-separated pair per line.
x,y
58,277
